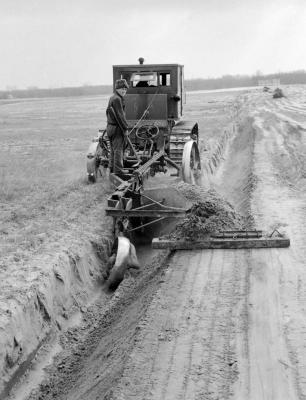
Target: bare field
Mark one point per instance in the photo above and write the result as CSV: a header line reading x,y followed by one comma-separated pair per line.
x,y
43,141
193,325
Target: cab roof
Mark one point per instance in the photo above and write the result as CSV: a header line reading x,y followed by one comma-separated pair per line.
x,y
147,65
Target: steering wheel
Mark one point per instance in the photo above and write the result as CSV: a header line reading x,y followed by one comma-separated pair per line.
x,y
147,132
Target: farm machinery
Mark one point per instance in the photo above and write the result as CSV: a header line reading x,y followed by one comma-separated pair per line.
x,y
160,140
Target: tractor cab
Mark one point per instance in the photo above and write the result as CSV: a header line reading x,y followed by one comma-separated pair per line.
x,y
154,89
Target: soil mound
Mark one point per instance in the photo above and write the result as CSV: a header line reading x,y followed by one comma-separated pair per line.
x,y
210,213
278,93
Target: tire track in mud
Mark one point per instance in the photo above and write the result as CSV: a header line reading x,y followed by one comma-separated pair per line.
x,y
270,374
188,347
158,330
177,364
280,201
219,356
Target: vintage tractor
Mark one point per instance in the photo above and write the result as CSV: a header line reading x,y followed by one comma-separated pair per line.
x,y
159,136
160,141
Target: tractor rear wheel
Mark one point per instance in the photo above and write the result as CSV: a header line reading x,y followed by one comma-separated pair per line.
x,y
191,163
92,170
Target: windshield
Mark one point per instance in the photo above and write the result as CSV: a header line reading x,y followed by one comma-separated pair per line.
x,y
147,78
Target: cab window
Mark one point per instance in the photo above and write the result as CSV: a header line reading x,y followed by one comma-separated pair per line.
x,y
164,79
147,79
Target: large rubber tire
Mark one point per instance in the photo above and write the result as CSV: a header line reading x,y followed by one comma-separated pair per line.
x,y
191,163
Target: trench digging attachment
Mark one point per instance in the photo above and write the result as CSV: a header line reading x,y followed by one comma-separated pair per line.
x,y
155,215
125,260
151,211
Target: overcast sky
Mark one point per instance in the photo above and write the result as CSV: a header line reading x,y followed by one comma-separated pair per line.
x,y
52,43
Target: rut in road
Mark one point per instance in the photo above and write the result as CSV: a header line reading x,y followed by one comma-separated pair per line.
x,y
279,201
187,347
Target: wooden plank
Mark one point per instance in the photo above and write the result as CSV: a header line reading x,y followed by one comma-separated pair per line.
x,y
158,243
241,231
238,234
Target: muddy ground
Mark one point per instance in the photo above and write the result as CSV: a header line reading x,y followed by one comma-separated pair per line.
x,y
192,325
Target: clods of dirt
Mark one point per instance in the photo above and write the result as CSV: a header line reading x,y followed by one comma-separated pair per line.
x,y
210,213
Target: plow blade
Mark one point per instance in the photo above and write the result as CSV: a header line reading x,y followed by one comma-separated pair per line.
x,y
220,243
125,258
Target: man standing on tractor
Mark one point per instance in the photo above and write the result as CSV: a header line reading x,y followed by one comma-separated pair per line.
x,y
117,126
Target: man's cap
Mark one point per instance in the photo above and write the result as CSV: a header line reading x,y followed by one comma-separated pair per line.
x,y
121,84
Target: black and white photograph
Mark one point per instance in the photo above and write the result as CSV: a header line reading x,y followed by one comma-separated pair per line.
x,y
152,200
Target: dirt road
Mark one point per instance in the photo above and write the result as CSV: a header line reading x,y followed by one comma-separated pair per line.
x,y
214,331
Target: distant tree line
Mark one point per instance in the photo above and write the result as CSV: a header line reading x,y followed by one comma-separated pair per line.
x,y
56,92
224,82
231,81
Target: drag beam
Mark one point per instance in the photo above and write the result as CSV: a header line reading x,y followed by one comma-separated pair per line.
x,y
239,243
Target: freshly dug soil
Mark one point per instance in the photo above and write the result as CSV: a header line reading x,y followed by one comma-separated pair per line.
x,y
209,213
95,353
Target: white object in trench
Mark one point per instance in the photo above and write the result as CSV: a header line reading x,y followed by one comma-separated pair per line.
x,y
126,258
